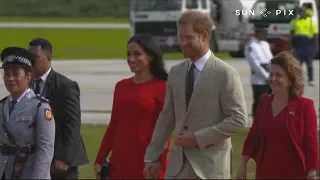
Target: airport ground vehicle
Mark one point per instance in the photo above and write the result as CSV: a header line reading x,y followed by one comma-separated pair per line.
x,y
278,25
231,31
159,19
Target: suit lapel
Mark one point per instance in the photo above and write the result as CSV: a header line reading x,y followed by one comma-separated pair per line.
x,y
291,109
48,84
201,86
22,104
181,84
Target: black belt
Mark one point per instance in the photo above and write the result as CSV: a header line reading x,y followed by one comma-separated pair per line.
x,y
13,150
266,67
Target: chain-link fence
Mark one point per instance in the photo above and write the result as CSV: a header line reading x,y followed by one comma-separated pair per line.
x,y
65,8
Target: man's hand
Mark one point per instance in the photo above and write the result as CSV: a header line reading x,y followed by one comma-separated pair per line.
x,y
152,170
97,171
312,174
61,166
187,139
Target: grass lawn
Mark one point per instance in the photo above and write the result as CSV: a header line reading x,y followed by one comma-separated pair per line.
x,y
78,43
92,136
63,19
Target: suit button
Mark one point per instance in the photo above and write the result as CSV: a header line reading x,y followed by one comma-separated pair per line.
x,y
5,134
185,127
5,162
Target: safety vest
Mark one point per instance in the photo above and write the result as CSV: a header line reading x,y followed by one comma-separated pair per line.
x,y
304,27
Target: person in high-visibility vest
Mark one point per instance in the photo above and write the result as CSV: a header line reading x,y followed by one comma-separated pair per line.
x,y
309,12
304,40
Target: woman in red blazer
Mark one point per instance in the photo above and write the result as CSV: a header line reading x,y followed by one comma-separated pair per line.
x,y
283,138
136,106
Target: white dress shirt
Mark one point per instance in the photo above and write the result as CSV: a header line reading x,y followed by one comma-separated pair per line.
x,y
43,81
20,97
200,63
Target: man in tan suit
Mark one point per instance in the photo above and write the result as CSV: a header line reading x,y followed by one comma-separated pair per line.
x,y
204,103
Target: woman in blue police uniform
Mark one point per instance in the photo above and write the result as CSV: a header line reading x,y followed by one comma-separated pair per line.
x,y
27,127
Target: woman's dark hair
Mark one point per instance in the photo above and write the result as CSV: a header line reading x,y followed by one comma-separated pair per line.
x,y
157,65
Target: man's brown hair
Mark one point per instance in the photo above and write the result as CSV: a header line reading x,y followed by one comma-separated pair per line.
x,y
200,21
293,69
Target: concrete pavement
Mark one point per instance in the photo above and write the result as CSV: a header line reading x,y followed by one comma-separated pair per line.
x,y
97,80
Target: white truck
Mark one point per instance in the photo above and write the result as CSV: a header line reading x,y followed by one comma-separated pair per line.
x,y
158,18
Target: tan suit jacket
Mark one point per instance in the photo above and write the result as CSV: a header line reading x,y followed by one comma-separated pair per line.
x,y
217,110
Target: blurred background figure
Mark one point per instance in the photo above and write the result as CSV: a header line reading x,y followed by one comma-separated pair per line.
x,y
304,40
136,106
283,139
258,54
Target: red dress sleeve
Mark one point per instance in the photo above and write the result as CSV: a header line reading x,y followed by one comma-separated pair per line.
x,y
248,144
108,138
311,136
163,157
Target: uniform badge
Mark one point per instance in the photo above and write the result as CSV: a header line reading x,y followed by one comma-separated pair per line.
x,y
48,114
17,166
249,49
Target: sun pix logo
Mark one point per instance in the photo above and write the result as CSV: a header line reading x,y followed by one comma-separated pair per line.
x,y
265,12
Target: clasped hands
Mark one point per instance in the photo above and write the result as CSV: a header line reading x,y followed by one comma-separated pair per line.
x,y
61,166
184,139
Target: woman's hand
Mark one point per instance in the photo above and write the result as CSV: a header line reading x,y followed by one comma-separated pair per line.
x,y
242,173
97,170
312,174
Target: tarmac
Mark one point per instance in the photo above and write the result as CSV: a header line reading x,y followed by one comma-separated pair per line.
x,y
97,79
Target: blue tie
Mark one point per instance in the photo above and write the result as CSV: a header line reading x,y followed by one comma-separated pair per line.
x,y
12,104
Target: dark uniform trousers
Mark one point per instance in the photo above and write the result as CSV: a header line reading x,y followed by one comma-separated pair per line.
x,y
258,90
304,52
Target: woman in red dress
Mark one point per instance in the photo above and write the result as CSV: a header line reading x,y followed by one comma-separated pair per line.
x,y
136,105
283,138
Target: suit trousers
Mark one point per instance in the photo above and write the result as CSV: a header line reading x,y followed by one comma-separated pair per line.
x,y
3,176
72,173
258,90
186,171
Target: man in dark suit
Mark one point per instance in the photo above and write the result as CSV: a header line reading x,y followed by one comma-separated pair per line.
x,y
64,97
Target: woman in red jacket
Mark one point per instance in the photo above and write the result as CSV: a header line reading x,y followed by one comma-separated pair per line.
x,y
283,138
136,105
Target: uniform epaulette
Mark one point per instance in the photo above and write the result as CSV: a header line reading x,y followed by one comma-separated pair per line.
x,y
41,98
3,99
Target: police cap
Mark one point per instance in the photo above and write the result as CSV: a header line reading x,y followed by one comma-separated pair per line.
x,y
16,56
